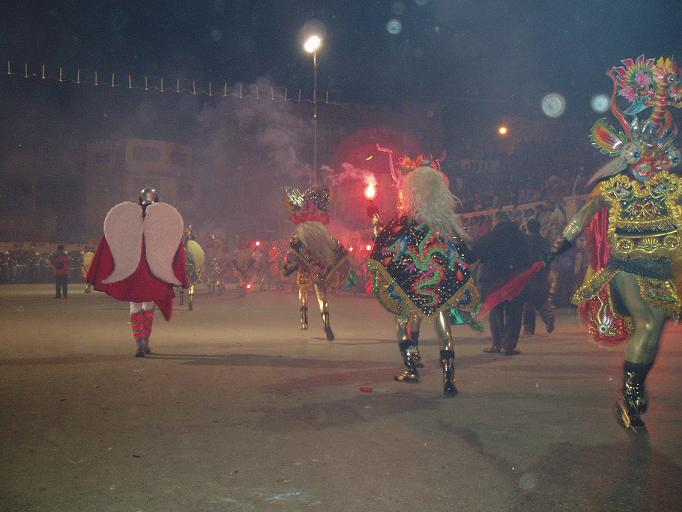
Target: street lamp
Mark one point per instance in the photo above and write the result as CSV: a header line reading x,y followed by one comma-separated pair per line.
x,y
503,130
311,45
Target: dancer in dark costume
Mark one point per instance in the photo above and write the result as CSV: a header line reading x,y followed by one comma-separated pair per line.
x,y
420,265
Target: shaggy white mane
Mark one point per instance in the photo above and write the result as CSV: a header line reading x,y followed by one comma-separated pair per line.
x,y
425,197
317,240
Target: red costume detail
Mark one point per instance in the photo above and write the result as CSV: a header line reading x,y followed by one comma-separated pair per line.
x,y
137,324
142,285
596,240
148,322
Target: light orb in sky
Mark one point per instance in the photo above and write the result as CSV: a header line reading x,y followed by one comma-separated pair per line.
x,y
553,105
394,26
600,103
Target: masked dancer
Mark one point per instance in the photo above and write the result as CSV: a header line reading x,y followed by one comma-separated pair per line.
x,y
632,225
194,261
319,260
420,265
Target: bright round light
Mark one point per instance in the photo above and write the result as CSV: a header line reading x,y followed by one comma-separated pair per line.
x,y
394,26
600,103
312,44
503,130
553,104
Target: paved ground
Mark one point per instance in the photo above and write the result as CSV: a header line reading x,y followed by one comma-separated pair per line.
x,y
238,410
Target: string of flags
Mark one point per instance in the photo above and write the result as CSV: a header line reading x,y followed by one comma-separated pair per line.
x,y
163,86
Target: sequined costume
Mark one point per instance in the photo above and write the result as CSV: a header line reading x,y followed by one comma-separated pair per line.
x,y
140,259
633,225
420,267
194,262
320,261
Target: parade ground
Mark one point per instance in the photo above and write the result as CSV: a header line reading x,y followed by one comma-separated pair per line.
x,y
237,409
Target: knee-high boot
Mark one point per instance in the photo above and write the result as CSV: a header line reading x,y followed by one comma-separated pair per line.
x,y
137,325
409,373
447,361
327,326
304,317
414,336
634,401
148,322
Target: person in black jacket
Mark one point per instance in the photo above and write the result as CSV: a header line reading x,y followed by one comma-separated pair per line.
x,y
504,252
537,289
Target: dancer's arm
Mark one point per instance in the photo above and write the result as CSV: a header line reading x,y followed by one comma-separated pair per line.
x,y
575,227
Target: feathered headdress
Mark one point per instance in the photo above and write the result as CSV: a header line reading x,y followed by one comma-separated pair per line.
x,y
308,206
406,164
645,146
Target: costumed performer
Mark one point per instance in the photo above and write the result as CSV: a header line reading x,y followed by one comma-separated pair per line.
x,y
420,265
319,260
140,259
632,224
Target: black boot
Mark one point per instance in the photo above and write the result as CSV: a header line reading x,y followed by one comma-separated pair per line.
x,y
634,402
327,327
414,336
140,348
304,318
447,361
409,373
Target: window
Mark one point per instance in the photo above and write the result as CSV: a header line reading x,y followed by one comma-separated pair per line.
x,y
147,154
178,158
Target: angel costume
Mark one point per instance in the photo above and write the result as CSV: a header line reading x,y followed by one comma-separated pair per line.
x,y
140,259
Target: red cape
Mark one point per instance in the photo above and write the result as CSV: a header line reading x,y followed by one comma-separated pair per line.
x,y
142,285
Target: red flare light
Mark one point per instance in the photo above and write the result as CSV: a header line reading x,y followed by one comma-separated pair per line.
x,y
370,191
257,243
369,247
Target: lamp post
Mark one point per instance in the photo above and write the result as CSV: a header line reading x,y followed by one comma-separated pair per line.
x,y
311,45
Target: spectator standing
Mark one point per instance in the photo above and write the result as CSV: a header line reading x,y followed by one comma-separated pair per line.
x,y
537,290
60,263
503,253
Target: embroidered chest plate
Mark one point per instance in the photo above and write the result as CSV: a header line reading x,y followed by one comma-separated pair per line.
x,y
417,270
644,218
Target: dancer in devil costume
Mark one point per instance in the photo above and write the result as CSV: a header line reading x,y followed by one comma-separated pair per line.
x,y
420,264
319,260
633,224
139,259
194,262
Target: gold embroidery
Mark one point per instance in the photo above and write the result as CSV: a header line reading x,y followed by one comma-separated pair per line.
x,y
644,218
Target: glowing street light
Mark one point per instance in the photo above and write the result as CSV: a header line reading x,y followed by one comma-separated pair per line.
x,y
503,130
311,45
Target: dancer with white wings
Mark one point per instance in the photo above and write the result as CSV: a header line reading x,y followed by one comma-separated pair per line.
x,y
139,259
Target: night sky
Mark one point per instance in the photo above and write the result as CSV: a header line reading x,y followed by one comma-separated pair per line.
x,y
496,56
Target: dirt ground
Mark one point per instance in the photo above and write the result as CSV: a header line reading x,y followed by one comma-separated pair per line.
x,y
239,410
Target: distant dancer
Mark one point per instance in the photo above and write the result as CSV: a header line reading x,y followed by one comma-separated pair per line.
x,y
319,260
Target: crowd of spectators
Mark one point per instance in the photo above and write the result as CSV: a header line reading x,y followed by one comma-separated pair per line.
x,y
506,191
19,265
